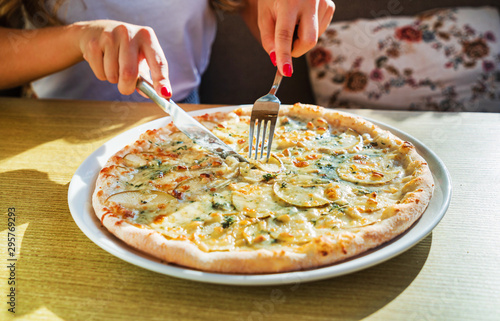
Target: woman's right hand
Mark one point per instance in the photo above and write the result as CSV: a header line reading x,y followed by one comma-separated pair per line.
x,y
116,52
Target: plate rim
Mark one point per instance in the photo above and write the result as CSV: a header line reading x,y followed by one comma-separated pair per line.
x,y
375,256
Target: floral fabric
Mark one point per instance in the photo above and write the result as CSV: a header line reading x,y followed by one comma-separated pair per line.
x,y
442,60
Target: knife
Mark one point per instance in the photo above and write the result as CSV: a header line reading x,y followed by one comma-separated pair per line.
x,y
187,124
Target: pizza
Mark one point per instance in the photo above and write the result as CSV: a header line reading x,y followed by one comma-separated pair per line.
x,y
335,186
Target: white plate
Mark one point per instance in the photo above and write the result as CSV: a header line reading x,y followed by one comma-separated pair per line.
x,y
80,205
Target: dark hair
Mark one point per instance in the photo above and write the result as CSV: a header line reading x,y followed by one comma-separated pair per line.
x,y
228,5
16,13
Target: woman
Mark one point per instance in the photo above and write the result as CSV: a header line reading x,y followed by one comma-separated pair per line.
x,y
60,34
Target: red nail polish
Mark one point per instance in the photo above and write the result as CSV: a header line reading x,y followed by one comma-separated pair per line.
x,y
165,92
287,70
272,55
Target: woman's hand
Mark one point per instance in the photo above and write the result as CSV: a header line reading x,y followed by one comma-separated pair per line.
x,y
277,21
115,50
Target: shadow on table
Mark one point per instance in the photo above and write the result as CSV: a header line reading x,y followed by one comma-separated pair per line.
x,y
349,297
62,273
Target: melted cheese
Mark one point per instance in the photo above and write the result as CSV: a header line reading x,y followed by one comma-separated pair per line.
x,y
320,181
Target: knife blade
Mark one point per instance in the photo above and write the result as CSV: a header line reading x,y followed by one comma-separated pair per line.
x,y
187,124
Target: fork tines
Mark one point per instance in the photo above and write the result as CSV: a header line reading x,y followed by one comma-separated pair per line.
x,y
265,113
263,124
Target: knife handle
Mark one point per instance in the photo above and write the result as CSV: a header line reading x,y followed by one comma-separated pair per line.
x,y
147,88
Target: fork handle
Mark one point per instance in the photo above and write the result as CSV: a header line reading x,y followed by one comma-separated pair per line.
x,y
276,83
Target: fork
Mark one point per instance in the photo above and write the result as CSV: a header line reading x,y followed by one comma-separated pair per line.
x,y
265,113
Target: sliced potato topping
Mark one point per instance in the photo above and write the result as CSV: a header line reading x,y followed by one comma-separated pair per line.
x,y
306,180
141,199
255,201
193,187
301,195
273,165
252,175
367,174
135,160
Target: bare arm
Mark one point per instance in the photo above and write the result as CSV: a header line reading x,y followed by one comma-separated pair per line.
x,y
113,50
31,54
274,21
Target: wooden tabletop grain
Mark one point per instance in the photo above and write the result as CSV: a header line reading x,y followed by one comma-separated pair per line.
x,y
59,274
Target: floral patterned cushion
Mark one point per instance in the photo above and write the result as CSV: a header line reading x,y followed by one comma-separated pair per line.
x,y
444,60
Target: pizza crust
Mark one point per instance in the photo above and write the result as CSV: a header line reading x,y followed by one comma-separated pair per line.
x,y
321,251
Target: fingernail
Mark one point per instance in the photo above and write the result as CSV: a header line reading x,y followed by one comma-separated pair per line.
x,y
165,92
272,55
287,70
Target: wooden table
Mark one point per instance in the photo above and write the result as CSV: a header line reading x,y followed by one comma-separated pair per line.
x,y
453,274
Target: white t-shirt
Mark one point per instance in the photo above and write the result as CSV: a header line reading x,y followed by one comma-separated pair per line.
x,y
185,28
